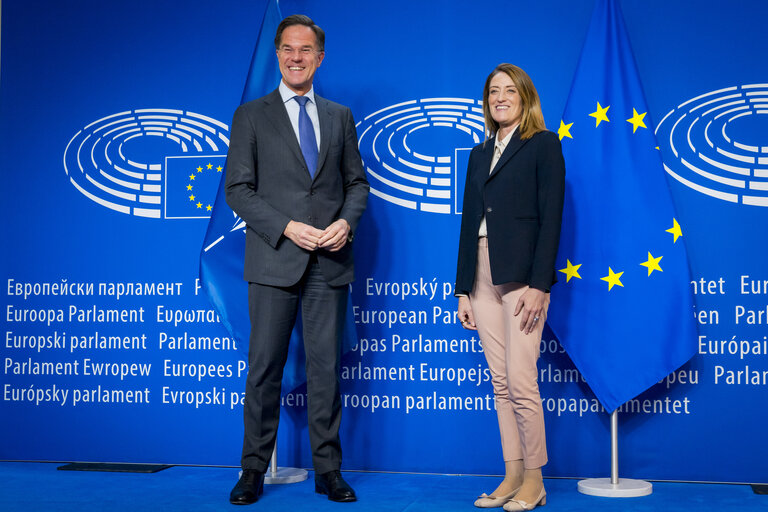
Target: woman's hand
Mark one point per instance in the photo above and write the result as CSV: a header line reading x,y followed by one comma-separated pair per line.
x,y
464,313
533,304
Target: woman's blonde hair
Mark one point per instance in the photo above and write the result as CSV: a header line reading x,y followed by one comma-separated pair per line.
x,y
532,119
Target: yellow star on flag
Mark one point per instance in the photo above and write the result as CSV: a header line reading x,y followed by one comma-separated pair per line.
x,y
652,263
189,187
600,114
612,278
200,169
564,130
637,120
675,230
192,177
571,271
209,166
209,207
199,205
192,197
219,168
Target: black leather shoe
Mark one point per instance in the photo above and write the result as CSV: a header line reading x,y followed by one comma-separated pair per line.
x,y
332,484
248,488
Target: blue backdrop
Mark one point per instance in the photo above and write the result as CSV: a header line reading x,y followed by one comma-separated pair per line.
x,y
110,351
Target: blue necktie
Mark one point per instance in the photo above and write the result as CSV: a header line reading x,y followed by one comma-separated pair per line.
x,y
307,138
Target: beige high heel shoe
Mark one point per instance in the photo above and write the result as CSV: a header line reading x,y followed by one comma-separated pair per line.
x,y
514,505
486,501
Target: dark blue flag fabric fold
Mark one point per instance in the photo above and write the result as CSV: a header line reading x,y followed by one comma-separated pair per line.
x,y
623,309
223,251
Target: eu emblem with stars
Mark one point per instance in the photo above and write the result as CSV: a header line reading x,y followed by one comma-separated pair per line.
x,y
191,185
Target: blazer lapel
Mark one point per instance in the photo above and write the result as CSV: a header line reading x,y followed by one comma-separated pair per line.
x,y
281,122
326,124
486,156
515,143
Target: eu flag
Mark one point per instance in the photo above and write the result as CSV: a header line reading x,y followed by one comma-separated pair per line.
x,y
623,310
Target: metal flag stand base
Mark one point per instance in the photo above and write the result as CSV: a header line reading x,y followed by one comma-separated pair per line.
x,y
277,475
615,487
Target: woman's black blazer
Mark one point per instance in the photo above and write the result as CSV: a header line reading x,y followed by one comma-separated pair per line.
x,y
522,200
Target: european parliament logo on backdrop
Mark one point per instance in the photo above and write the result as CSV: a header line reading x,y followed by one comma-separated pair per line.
x,y
716,152
153,163
416,152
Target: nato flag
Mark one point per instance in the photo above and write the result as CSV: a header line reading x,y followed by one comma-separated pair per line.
x,y
223,252
623,309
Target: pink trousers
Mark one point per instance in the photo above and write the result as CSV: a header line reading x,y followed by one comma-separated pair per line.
x,y
511,356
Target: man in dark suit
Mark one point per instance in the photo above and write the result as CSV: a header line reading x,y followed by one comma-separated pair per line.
x,y
294,175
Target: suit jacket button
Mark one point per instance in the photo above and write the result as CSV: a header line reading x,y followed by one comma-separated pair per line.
x,y
489,209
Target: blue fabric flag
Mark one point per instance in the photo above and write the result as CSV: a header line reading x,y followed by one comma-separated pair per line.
x,y
223,252
623,308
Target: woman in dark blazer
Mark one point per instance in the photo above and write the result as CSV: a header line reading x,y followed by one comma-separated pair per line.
x,y
510,229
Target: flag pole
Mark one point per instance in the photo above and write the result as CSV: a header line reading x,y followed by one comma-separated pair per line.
x,y
277,475
615,487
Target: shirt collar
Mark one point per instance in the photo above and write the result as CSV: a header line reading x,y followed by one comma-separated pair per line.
x,y
287,95
502,144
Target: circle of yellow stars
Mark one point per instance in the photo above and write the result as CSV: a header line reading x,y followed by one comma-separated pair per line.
x,y
652,263
601,115
190,186
614,278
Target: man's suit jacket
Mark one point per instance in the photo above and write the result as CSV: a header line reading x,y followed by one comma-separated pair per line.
x,y
268,185
522,200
